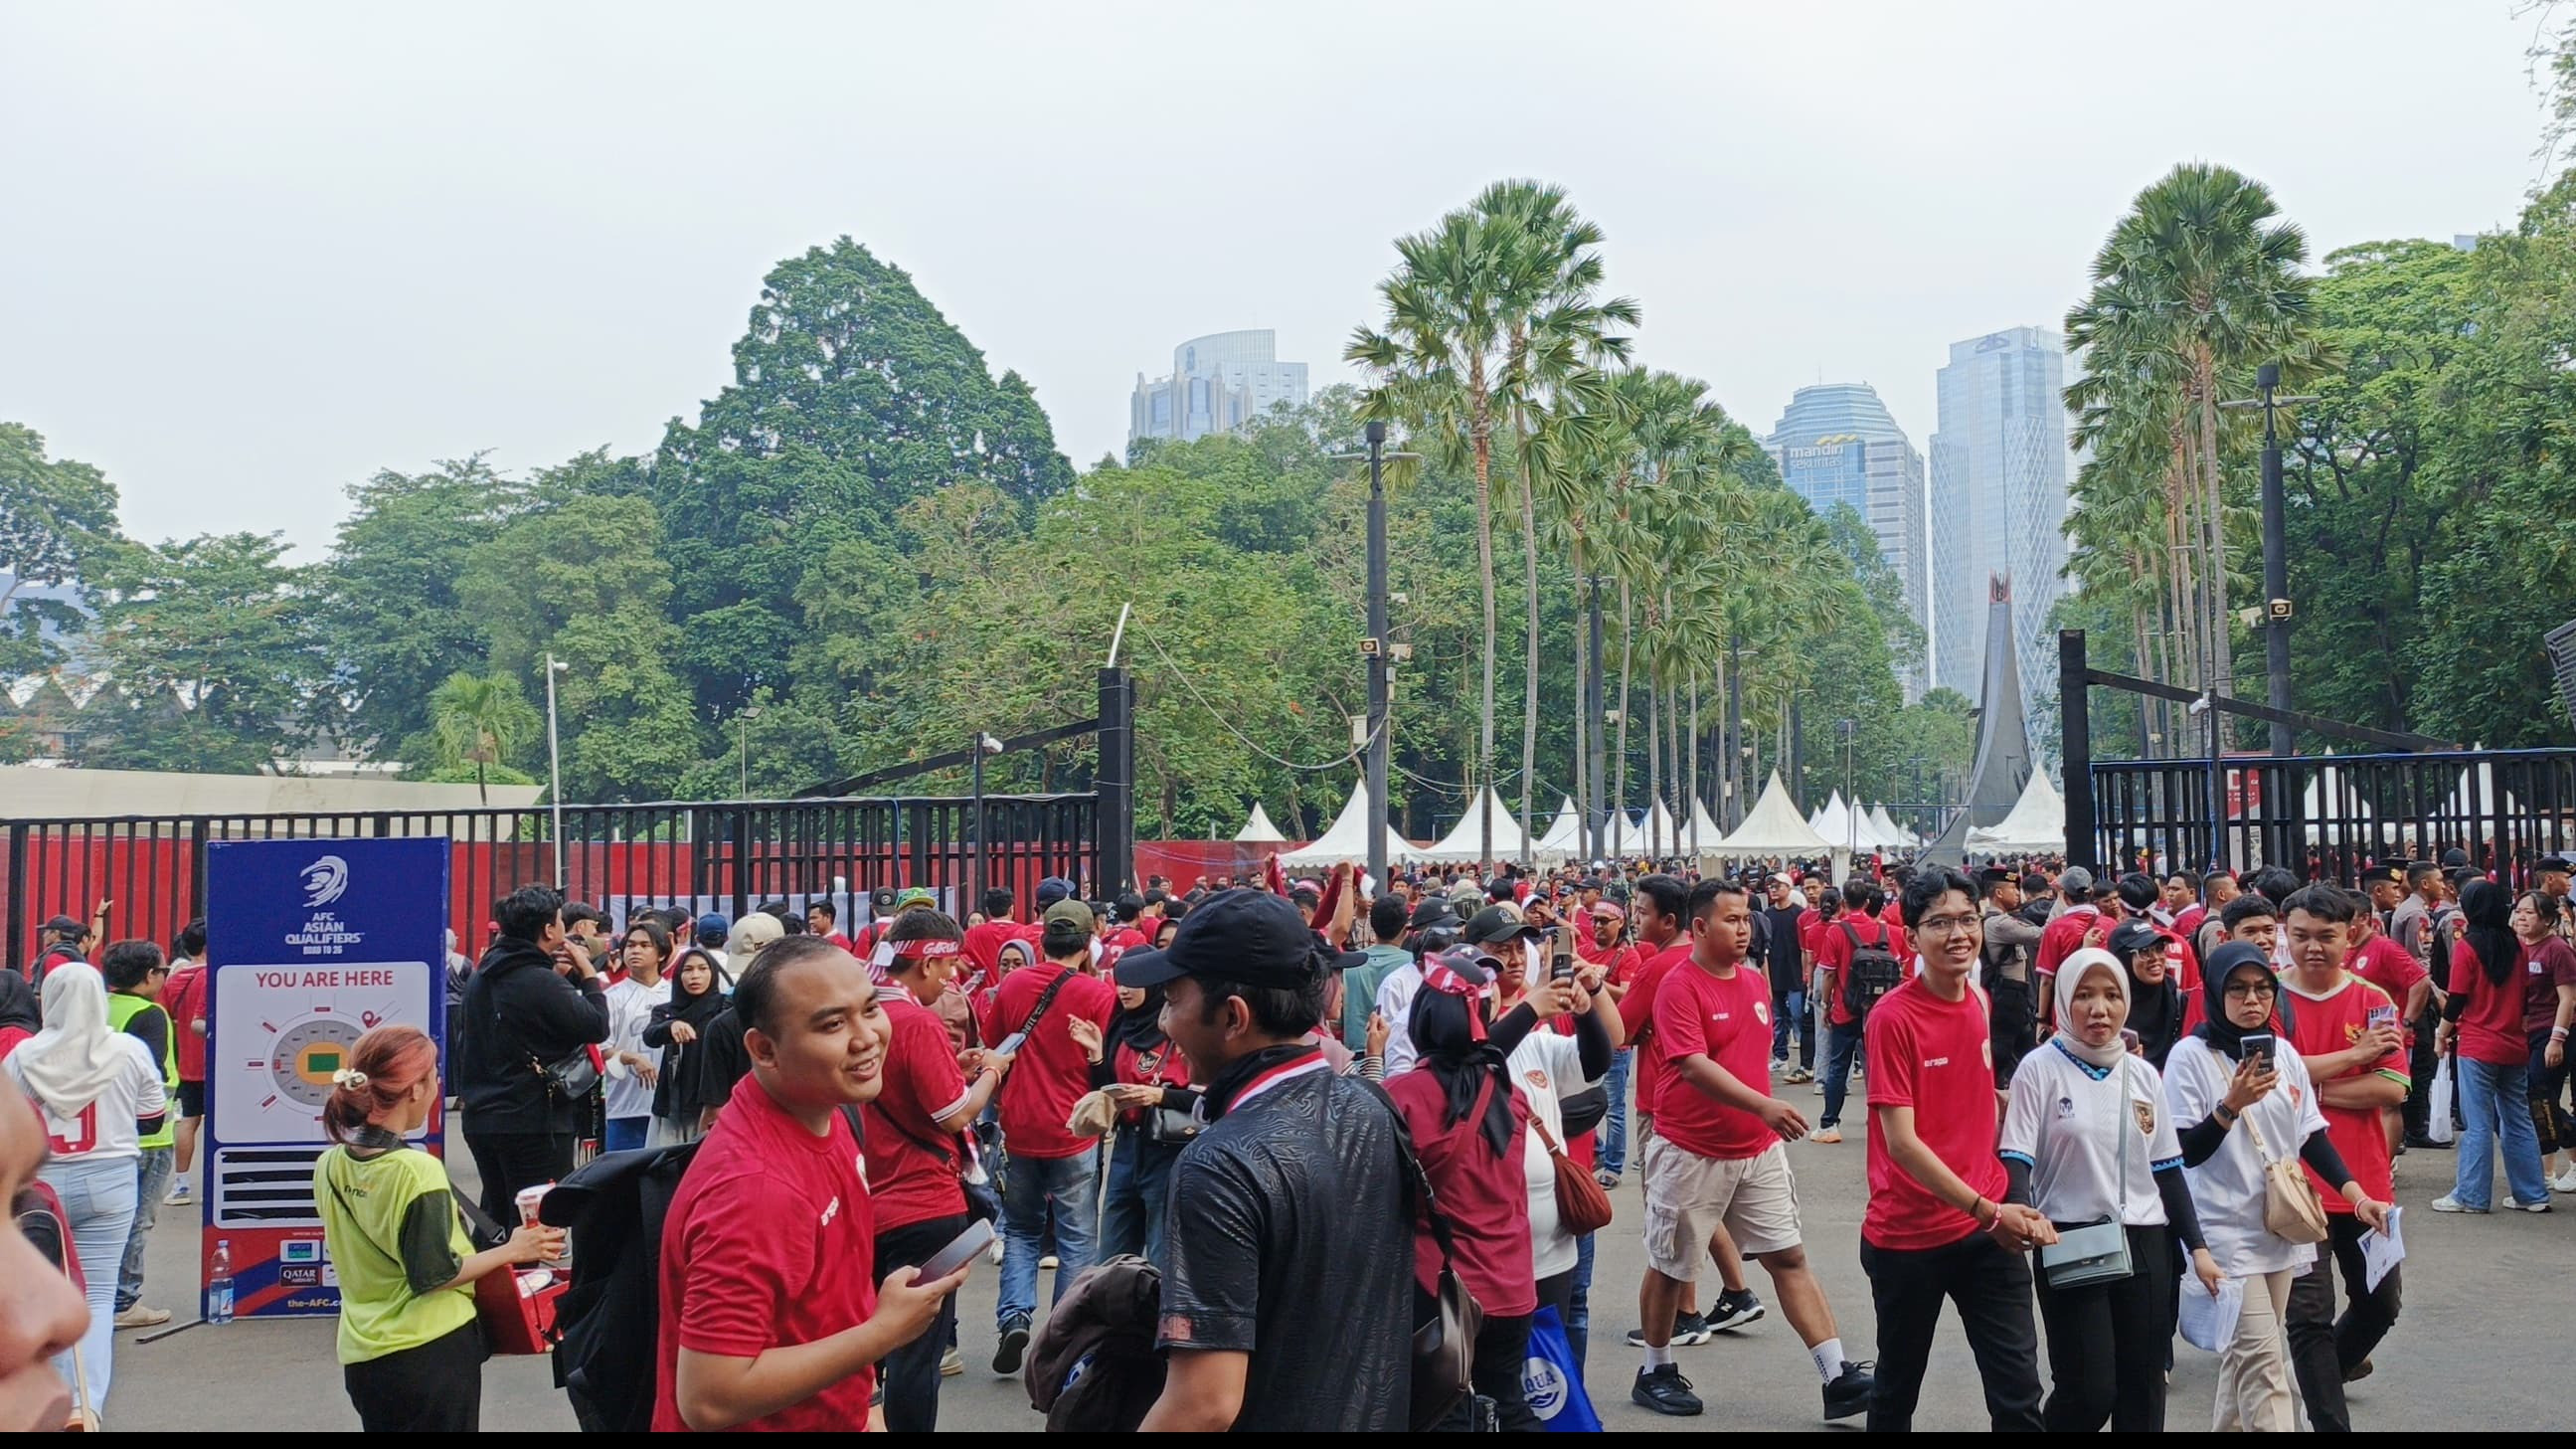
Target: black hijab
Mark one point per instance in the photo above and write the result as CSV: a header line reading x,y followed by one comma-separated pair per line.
x,y
18,1002
1140,1027
1464,1062
704,1007
2488,909
2223,1036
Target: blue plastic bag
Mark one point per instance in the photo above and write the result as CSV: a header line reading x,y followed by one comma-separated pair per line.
x,y
1552,1382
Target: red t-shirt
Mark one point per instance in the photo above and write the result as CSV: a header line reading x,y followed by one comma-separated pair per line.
x,y
184,997
1162,1067
1936,1057
908,1181
2490,1030
1728,1021
1834,953
2322,1026
1637,1019
2390,967
983,948
1050,1072
768,1244
2062,937
2544,968
1811,926
1484,1197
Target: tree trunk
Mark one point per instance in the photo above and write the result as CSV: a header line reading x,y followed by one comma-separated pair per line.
x,y
1654,753
1627,663
1686,823
2222,636
1529,686
1583,722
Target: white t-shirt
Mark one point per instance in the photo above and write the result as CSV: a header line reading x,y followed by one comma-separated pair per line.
x,y
105,1128
630,1009
1545,1067
2093,1138
2227,1190
1395,1003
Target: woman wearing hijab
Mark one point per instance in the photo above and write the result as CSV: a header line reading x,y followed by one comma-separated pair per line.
x,y
1146,1075
99,1093
2240,1100
2483,1019
682,1091
2087,1141
2154,996
20,1018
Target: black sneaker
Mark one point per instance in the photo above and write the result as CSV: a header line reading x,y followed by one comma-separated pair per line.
x,y
1734,1310
1015,1341
1849,1393
1690,1330
1665,1391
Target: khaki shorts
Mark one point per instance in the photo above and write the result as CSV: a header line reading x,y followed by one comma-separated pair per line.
x,y
1688,1197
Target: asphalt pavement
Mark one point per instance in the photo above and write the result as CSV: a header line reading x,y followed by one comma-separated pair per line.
x,y
2476,1348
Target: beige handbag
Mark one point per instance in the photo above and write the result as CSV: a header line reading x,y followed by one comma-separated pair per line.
x,y
2291,1207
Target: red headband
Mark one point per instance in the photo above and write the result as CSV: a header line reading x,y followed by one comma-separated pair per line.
x,y
926,948
1440,976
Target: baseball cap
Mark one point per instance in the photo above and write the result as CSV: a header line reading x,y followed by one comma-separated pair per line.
x,y
1431,911
911,896
1072,912
1053,889
2075,878
2131,937
1781,877
713,923
1249,936
2454,858
1496,924
64,926
2558,863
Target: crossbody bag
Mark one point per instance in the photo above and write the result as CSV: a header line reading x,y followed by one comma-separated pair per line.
x,y
2098,1252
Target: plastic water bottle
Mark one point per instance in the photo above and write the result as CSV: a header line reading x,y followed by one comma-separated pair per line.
x,y
219,1284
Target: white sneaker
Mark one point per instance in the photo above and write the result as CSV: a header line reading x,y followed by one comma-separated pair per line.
x,y
181,1195
2449,1204
2515,1205
993,1254
1049,1261
2565,1181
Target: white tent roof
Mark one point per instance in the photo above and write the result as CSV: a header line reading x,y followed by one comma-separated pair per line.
x,y
2485,803
1622,835
1347,838
2036,822
1837,825
1710,832
1772,827
1816,821
1258,829
2327,794
1563,838
1887,830
1662,835
1466,841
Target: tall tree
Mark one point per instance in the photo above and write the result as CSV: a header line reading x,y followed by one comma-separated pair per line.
x,y
54,515
482,721
215,652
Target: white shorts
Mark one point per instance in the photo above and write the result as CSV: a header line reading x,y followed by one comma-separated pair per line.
x,y
1688,1197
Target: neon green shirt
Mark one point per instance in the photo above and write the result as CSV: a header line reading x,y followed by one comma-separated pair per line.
x,y
390,1224
123,1008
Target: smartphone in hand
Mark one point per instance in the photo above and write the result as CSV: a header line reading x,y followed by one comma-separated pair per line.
x,y
961,1250
2266,1045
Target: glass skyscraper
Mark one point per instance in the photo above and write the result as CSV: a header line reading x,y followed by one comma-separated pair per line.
x,y
1999,471
1218,383
1836,443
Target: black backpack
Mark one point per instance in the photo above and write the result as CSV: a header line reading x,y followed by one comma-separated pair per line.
x,y
609,1320
1871,973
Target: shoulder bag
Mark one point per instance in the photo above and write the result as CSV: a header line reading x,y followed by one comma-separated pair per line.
x,y
1444,1345
1581,1206
2098,1252
2291,1207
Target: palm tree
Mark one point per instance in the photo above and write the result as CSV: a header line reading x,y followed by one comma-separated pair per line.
x,y
480,719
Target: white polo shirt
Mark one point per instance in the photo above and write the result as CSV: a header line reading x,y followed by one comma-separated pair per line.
x,y
2227,1190
1545,1067
2092,1138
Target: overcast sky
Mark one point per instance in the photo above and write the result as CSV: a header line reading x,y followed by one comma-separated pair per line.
x,y
250,254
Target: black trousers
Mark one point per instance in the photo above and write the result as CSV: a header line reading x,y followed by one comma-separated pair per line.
x,y
2107,1342
436,1388
2013,1021
509,1161
2417,1113
2324,1348
910,1374
1991,1289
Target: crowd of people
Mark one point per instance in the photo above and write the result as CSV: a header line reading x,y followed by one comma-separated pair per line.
x,y
2086,1102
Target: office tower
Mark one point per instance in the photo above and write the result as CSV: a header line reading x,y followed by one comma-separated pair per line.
x,y
1999,474
1836,443
1218,383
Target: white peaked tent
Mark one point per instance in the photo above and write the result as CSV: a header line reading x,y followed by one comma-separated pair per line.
x,y
1258,830
1620,834
2327,794
1890,834
2037,822
1838,827
1563,838
1816,822
2485,803
1347,838
1662,835
1710,833
1466,841
1772,827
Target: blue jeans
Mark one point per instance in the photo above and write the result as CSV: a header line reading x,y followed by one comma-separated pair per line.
x,y
1140,1191
1029,1184
1786,1008
1842,1043
151,1184
98,1202
2493,1102
625,1134
1614,1135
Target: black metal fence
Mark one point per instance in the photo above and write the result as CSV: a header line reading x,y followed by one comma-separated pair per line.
x,y
2328,815
726,857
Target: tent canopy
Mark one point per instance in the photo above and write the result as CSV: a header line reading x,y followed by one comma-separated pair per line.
x,y
1772,827
2037,822
1466,841
1563,838
1709,833
1348,836
1258,829
1889,833
1838,826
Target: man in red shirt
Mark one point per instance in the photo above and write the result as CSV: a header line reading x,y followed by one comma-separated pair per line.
x,y
822,918
1937,1226
913,1153
2345,1031
1719,1158
984,939
2066,935
764,1323
1858,927
1048,1165
185,996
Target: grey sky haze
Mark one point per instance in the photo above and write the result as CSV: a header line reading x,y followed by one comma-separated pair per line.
x,y
251,254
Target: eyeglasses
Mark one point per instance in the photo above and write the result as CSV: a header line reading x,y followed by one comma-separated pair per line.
x,y
2249,991
1944,925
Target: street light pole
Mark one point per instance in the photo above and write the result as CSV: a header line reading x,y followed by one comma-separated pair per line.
x,y
984,745
1377,646
742,728
554,764
2276,552
1851,827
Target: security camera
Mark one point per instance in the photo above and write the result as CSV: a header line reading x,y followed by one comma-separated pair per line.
x,y
988,744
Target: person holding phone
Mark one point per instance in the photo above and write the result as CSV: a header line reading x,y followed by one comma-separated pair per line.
x,y
2241,1099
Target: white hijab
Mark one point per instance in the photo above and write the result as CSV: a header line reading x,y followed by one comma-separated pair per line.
x,y
2070,975
72,1062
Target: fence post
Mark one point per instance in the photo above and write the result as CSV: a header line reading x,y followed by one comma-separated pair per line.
x,y
2075,746
1115,781
17,893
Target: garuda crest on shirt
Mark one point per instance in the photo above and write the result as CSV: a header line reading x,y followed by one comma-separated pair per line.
x,y
2145,1112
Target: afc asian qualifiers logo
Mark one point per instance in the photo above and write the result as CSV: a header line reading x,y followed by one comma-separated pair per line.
x,y
325,881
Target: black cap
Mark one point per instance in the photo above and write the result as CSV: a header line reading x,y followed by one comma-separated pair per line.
x,y
1995,875
2557,863
2395,874
1588,883
1431,911
64,926
1496,924
1249,936
2131,937
2455,858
